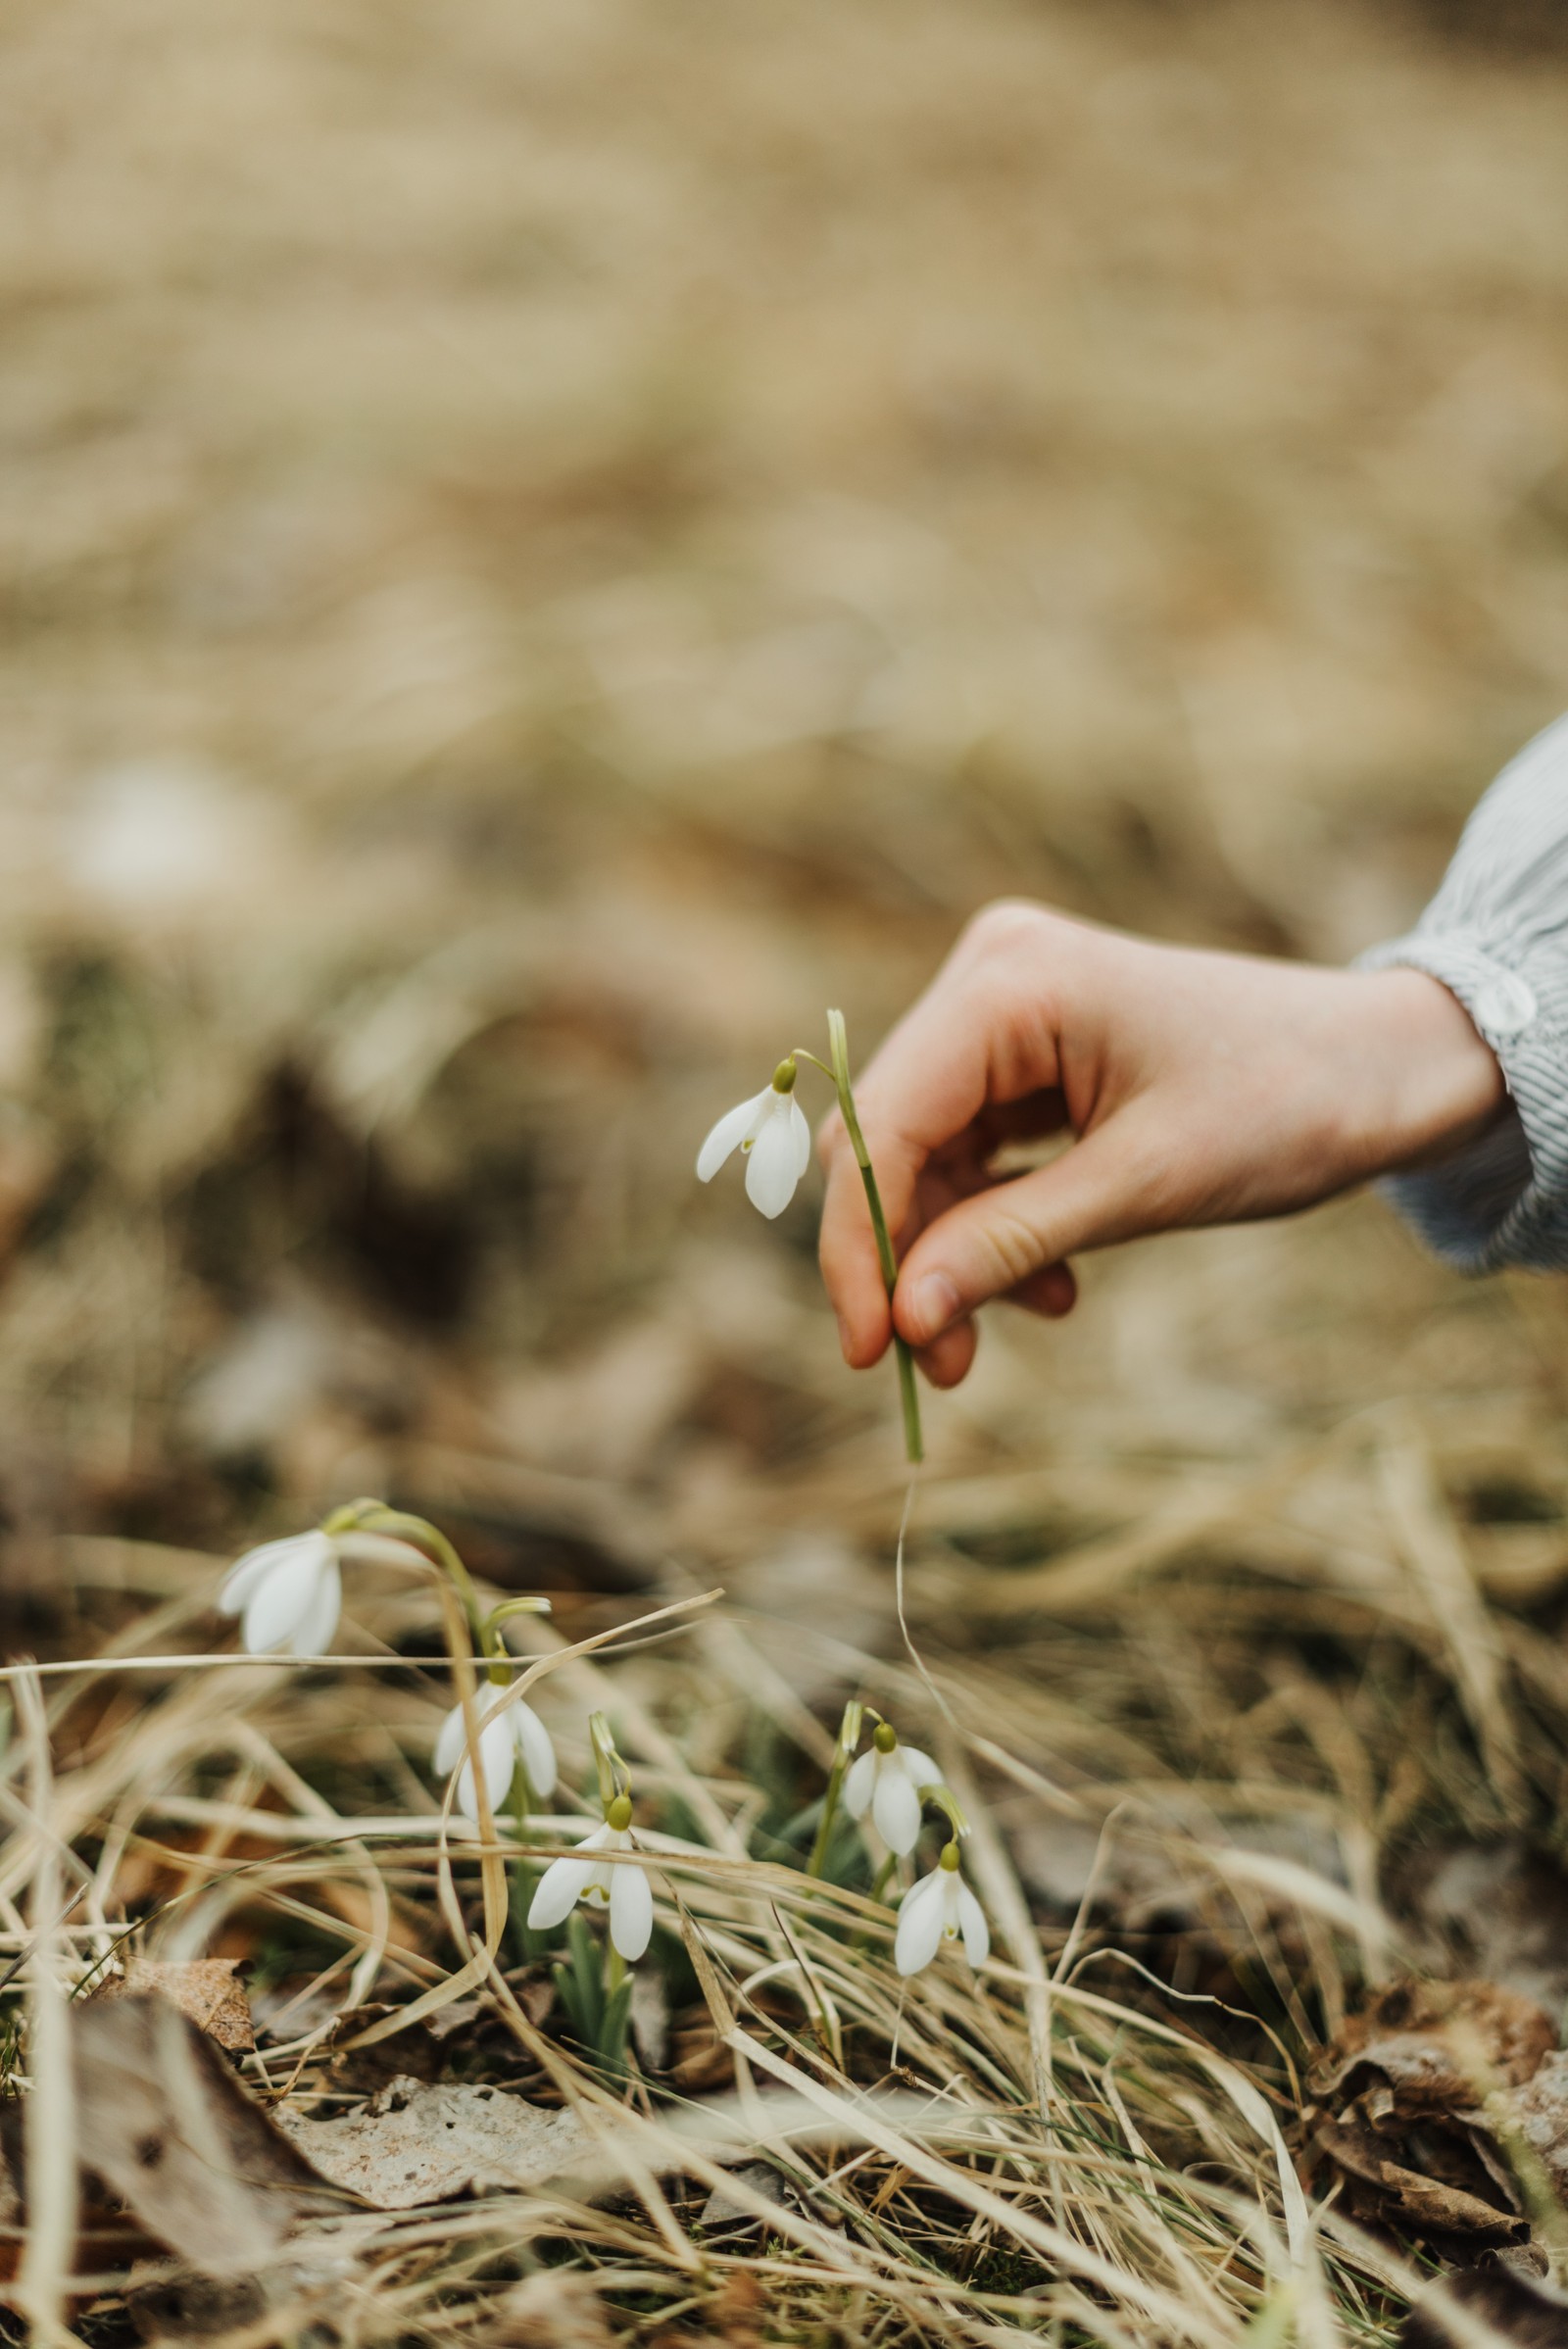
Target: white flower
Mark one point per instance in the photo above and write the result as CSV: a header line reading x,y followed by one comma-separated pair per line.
x,y
626,1891
886,1781
938,1909
502,1738
772,1131
289,1594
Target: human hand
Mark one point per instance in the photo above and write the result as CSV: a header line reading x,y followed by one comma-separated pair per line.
x,y
1201,1087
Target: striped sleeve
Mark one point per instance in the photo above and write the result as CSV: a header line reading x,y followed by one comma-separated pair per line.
x,y
1496,935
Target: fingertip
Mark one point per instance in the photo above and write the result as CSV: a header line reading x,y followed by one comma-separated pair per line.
x,y
863,1338
1060,1284
1050,1292
946,1362
925,1307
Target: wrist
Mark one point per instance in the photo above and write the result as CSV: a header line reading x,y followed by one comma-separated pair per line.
x,y
1444,1086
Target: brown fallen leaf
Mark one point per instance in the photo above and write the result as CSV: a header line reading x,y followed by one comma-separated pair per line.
x,y
1434,2044
1541,2115
166,2126
1424,2204
204,1989
417,2142
1406,2114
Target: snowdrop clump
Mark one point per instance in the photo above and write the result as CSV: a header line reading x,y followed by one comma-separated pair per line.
x,y
288,1594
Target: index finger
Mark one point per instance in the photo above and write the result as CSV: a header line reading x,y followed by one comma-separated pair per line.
x,y
923,1087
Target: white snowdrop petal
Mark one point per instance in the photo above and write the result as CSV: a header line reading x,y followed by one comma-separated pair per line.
x,y
313,1634
896,1810
557,1893
732,1129
245,1574
771,1173
859,1784
972,1924
498,1756
921,1770
919,1931
466,1796
449,1743
278,1602
533,1743
631,1912
800,1129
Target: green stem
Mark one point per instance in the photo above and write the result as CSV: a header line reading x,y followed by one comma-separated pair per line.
x,y
909,1395
830,1805
529,1944
376,1517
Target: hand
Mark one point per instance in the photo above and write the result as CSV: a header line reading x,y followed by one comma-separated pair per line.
x,y
1201,1087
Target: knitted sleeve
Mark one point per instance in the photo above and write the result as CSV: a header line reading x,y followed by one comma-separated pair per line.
x,y
1496,935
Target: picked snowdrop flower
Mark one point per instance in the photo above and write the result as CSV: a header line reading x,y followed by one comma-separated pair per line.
x,y
624,1892
771,1129
503,1737
886,1781
287,1595
937,1909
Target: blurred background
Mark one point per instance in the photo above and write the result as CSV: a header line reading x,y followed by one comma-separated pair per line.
x,y
544,545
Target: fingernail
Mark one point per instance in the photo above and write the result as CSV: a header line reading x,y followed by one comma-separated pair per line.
x,y
934,1304
843,1337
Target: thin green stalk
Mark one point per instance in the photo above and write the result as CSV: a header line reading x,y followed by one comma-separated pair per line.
x,y
830,1805
376,1517
909,1394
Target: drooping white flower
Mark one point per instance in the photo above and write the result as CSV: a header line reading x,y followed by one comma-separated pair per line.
x,y
503,1737
626,1891
886,1781
771,1129
287,1595
937,1909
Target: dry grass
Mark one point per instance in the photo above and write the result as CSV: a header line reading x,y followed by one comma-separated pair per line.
x,y
540,548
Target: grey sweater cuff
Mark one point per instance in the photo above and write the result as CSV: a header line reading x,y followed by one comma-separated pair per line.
x,y
1497,937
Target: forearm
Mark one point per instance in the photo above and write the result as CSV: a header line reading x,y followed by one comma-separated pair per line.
x,y
1495,936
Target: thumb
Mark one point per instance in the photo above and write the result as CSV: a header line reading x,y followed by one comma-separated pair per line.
x,y
1099,1191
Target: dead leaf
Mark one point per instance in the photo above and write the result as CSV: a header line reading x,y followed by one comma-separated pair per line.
x,y
1426,2204
1412,2125
165,2124
1434,2044
204,1989
724,2209
417,2142
1541,2115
